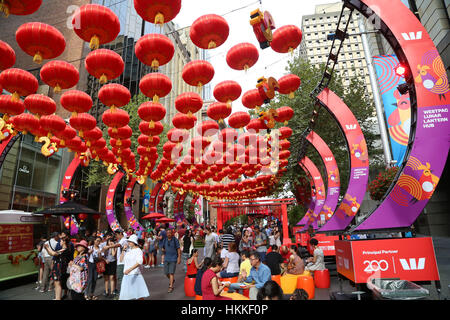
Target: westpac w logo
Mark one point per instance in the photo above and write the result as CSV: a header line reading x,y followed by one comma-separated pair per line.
x,y
412,35
350,126
413,264
328,159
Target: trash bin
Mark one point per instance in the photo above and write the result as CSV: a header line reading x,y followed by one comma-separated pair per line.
x,y
396,289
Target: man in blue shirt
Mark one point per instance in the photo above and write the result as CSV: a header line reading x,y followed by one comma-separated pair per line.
x,y
172,253
259,275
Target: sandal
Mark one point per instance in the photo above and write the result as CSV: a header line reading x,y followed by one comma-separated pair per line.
x,y
170,290
87,298
94,298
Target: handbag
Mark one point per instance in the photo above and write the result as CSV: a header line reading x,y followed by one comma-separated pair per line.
x,y
101,266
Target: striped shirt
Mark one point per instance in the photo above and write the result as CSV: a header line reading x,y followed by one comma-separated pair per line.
x,y
227,238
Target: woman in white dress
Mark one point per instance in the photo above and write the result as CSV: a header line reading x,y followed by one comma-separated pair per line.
x,y
318,261
133,283
210,242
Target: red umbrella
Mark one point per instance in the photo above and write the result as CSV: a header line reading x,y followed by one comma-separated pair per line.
x,y
164,220
154,215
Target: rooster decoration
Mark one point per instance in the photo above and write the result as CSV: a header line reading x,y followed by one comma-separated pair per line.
x,y
432,74
263,24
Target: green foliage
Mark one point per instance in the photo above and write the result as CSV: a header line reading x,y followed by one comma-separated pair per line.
x,y
295,214
326,126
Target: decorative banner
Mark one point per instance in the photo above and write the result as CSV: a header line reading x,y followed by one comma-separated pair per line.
x,y
430,107
156,188
160,199
319,190
411,259
359,161
176,203
65,185
199,203
397,107
333,181
128,207
146,198
326,243
113,223
16,238
312,199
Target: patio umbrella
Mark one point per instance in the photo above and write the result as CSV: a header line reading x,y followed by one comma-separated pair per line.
x,y
154,215
164,220
68,208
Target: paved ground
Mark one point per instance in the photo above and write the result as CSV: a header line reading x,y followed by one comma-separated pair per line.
x,y
23,289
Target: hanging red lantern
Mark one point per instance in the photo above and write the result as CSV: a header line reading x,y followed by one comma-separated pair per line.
x,y
284,114
289,84
76,101
120,143
188,103
227,91
7,56
284,144
285,132
239,119
9,107
40,105
52,123
183,121
96,216
24,122
148,141
92,135
209,31
242,56
157,11
19,7
286,39
155,86
18,82
59,75
96,24
38,131
83,122
145,128
177,136
228,135
252,99
151,112
208,128
154,50
67,134
255,125
121,133
115,119
97,144
104,64
114,95
197,73
285,154
40,40
218,111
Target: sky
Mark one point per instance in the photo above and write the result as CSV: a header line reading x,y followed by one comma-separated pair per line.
x,y
270,63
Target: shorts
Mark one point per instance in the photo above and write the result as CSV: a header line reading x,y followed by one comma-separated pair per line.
x,y
170,267
110,268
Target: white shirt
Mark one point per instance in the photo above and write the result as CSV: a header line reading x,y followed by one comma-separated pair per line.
x,y
233,262
52,244
95,254
223,253
133,256
122,243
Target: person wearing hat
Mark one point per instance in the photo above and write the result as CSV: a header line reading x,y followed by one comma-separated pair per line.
x,y
79,272
133,283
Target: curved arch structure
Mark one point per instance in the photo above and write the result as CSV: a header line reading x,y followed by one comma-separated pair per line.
x,y
127,206
66,184
110,200
6,145
311,168
333,180
181,204
429,94
154,194
312,198
159,199
359,161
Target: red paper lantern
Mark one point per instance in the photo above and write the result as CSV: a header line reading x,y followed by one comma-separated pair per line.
x,y
38,132
120,144
19,7
157,11
285,132
252,99
256,125
83,122
285,154
148,141
227,91
24,122
209,31
242,56
104,64
96,24
76,101
115,119
97,144
155,86
183,121
52,123
177,136
59,75
197,73
40,104
228,135
18,82
40,40
284,114
286,39
145,128
114,95
67,134
218,111
188,103
151,112
92,135
10,107
239,119
7,56
154,50
289,84
121,133
208,128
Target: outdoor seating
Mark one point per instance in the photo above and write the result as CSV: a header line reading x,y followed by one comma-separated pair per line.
x,y
277,279
289,283
306,283
232,280
322,278
189,284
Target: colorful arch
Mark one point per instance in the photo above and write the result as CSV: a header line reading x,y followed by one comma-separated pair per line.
x,y
134,223
110,201
66,184
154,194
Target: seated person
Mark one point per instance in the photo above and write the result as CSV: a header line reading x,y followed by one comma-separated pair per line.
x,y
192,264
285,253
295,265
211,288
198,279
231,263
317,262
259,275
270,291
274,260
299,294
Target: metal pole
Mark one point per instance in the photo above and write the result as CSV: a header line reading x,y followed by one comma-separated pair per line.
x,y
376,94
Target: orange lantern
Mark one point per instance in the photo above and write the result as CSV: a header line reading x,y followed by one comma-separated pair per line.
x,y
104,64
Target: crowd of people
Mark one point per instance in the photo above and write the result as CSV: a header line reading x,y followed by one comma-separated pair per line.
x,y
73,267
